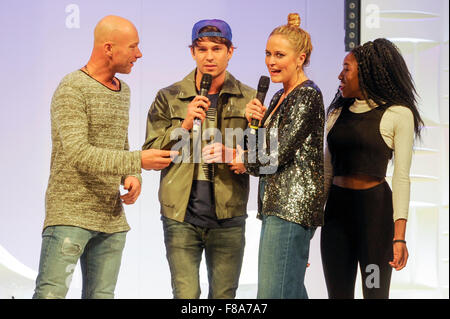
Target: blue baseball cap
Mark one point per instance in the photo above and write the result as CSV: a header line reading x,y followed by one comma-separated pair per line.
x,y
225,30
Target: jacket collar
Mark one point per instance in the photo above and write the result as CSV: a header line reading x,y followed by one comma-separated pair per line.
x,y
188,90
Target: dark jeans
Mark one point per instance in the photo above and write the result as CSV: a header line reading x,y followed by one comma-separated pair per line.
x,y
224,251
358,227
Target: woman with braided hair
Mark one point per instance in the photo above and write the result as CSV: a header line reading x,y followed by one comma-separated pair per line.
x,y
373,116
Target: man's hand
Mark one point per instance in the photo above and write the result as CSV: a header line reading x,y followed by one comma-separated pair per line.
x,y
157,159
217,153
196,109
133,186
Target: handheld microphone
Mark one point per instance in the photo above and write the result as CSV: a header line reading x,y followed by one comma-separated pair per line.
x,y
263,86
205,84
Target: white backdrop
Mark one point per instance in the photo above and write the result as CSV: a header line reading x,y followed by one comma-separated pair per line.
x,y
43,40
420,30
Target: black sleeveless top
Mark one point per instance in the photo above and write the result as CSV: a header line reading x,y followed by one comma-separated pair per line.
x,y
356,144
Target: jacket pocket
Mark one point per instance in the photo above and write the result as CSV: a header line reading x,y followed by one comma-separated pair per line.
x,y
178,113
234,129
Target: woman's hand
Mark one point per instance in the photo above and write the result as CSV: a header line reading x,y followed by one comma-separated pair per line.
x,y
400,256
254,110
237,165
399,247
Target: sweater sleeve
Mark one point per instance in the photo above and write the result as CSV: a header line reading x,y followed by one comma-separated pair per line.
x,y
400,121
328,167
70,121
138,176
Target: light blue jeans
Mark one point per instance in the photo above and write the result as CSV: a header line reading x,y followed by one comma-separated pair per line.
x,y
224,252
283,255
100,256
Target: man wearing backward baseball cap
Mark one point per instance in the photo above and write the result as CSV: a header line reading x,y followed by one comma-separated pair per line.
x,y
203,202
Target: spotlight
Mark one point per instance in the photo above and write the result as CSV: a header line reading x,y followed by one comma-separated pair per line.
x,y
352,24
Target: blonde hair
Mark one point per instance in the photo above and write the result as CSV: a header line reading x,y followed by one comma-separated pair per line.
x,y
299,38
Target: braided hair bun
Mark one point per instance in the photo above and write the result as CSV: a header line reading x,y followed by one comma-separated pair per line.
x,y
294,20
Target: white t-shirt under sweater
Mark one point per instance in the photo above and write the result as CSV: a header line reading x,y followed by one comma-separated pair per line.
x,y
397,130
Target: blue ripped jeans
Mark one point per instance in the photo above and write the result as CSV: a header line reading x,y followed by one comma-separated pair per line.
x,y
100,256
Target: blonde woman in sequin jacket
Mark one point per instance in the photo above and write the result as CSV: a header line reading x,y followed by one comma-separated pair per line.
x,y
291,196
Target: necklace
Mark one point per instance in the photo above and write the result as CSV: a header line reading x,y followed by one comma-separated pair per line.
x,y
113,82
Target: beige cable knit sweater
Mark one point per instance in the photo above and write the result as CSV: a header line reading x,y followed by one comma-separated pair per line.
x,y
89,155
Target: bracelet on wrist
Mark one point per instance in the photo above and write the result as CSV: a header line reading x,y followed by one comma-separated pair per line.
x,y
399,241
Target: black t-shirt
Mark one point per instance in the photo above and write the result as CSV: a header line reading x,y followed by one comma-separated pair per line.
x,y
201,210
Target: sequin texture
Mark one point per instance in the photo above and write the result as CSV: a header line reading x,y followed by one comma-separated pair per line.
x,y
295,192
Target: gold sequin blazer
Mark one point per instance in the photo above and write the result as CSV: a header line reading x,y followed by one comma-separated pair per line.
x,y
292,173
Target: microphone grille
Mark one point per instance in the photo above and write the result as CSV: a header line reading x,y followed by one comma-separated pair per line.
x,y
263,84
206,81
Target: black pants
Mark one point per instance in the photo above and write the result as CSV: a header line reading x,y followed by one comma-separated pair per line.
x,y
358,227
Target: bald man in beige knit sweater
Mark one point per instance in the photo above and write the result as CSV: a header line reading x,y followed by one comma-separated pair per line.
x,y
90,158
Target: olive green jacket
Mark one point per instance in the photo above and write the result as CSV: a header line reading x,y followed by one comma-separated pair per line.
x,y
164,118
